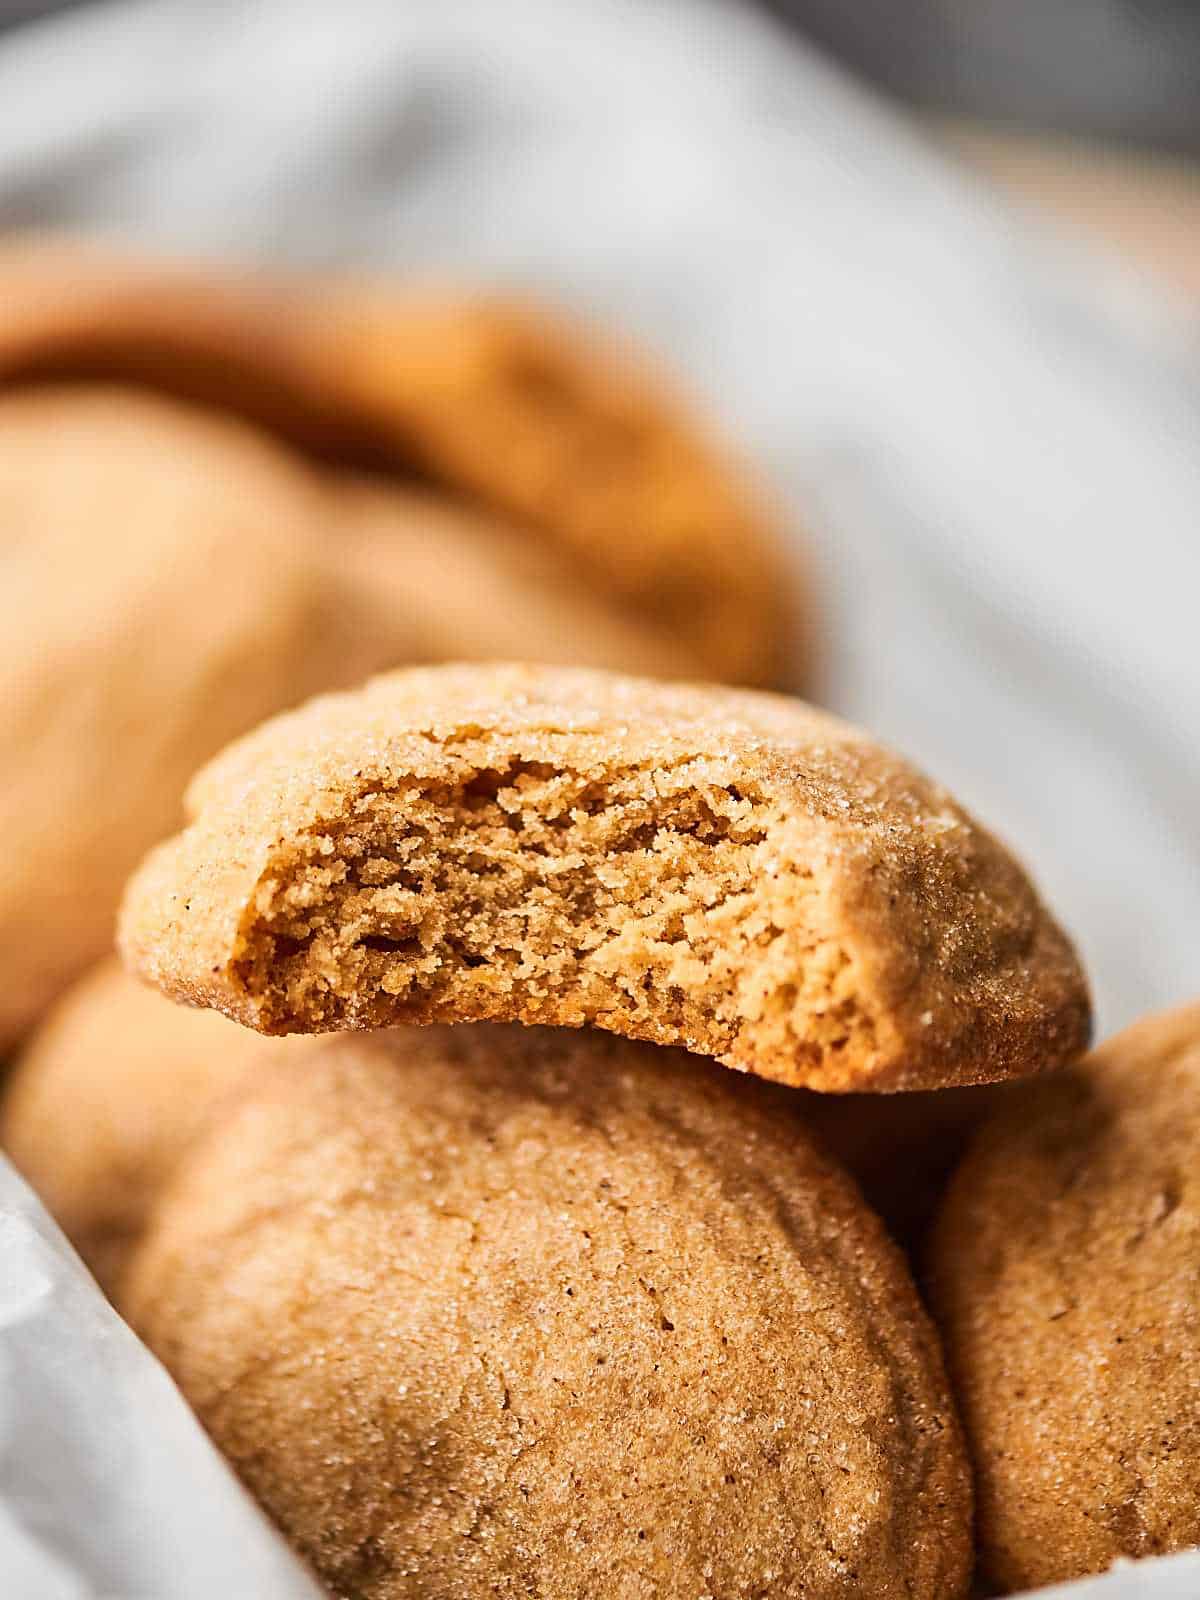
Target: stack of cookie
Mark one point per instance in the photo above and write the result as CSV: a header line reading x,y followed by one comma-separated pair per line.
x,y
502,1187
571,1308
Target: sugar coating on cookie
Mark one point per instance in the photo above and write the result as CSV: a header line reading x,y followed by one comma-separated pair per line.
x,y
483,1310
1064,1271
108,1094
730,872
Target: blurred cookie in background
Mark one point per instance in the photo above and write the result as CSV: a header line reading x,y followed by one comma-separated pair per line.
x,y
568,436
74,309
443,581
574,437
165,585
112,1088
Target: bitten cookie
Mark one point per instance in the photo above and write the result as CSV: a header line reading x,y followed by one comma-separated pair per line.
x,y
558,434
113,1087
482,1309
1065,1282
731,872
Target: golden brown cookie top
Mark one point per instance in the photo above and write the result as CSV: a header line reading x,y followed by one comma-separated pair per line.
x,y
565,435
480,1309
736,873
1064,1270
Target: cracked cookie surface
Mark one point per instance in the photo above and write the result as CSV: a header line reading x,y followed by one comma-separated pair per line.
x,y
491,1310
730,872
1064,1275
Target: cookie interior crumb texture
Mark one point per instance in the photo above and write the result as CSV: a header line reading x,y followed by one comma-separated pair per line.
x,y
491,1310
1064,1275
732,872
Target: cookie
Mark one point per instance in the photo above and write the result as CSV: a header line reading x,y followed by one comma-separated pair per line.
x,y
165,585
730,872
442,581
575,437
75,311
1064,1276
536,423
111,1090
485,1310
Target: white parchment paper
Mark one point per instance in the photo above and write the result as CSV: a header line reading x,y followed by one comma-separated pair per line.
x,y
989,436
109,1490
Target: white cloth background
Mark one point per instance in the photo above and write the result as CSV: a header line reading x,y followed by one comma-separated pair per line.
x,y
990,440
108,1489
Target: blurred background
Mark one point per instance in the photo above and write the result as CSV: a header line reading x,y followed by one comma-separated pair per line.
x,y
933,271
1090,108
